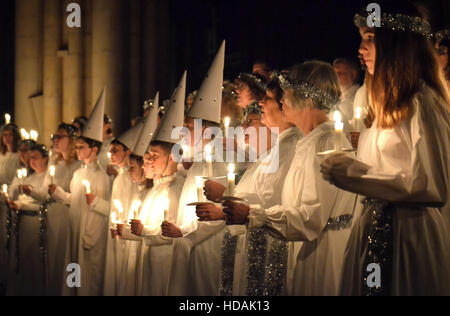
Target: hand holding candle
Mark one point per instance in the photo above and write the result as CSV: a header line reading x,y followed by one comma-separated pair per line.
x,y
119,223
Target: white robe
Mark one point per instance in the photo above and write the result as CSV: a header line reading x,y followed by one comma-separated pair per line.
x,y
122,190
88,228
102,156
260,187
406,164
158,252
185,276
308,202
29,279
9,163
57,222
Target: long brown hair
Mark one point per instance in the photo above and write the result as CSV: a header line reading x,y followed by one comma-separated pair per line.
x,y
16,138
403,61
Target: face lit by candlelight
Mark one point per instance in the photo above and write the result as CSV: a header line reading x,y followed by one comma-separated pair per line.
x,y
367,48
83,150
245,96
118,154
61,141
8,137
135,171
159,159
37,162
271,114
147,167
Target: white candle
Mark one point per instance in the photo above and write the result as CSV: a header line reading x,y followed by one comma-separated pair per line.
x,y
24,172
119,208
226,126
357,120
87,185
166,210
109,155
199,184
34,135
231,179
208,151
7,119
186,152
339,129
134,210
52,173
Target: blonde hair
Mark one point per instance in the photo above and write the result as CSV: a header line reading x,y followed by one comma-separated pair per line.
x,y
322,78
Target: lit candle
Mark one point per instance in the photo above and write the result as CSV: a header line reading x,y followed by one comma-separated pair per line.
x,y
208,157
199,184
134,210
186,152
109,155
34,135
114,218
5,191
24,134
52,173
339,130
87,185
357,120
7,119
119,208
226,126
166,210
231,179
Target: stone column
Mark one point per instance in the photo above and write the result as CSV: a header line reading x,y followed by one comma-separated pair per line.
x,y
108,64
28,63
73,96
52,70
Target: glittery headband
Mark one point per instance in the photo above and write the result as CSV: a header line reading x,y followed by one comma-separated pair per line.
x,y
307,91
398,22
254,79
148,104
442,36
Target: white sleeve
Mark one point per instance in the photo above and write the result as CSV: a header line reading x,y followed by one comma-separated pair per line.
x,y
424,181
61,196
100,206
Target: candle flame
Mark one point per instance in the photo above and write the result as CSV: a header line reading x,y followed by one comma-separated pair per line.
x,y
34,135
208,149
231,168
24,172
358,113
7,119
118,206
19,173
24,134
227,122
109,155
114,218
87,185
5,189
52,171
337,116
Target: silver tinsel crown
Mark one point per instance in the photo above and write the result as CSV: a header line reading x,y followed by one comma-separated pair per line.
x,y
148,104
442,36
320,98
254,79
398,22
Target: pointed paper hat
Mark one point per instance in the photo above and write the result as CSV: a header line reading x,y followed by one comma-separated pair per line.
x,y
94,126
150,125
131,137
174,114
207,105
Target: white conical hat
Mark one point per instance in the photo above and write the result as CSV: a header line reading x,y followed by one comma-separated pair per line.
x,y
130,137
208,102
94,126
174,114
150,125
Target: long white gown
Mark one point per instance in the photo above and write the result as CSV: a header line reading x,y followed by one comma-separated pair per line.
x,y
26,274
260,187
133,256
9,163
309,211
407,166
185,276
86,243
158,253
57,222
122,190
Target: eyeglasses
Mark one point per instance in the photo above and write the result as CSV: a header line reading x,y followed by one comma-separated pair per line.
x,y
58,137
80,147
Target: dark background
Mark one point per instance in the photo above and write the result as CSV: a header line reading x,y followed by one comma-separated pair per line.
x,y
281,32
